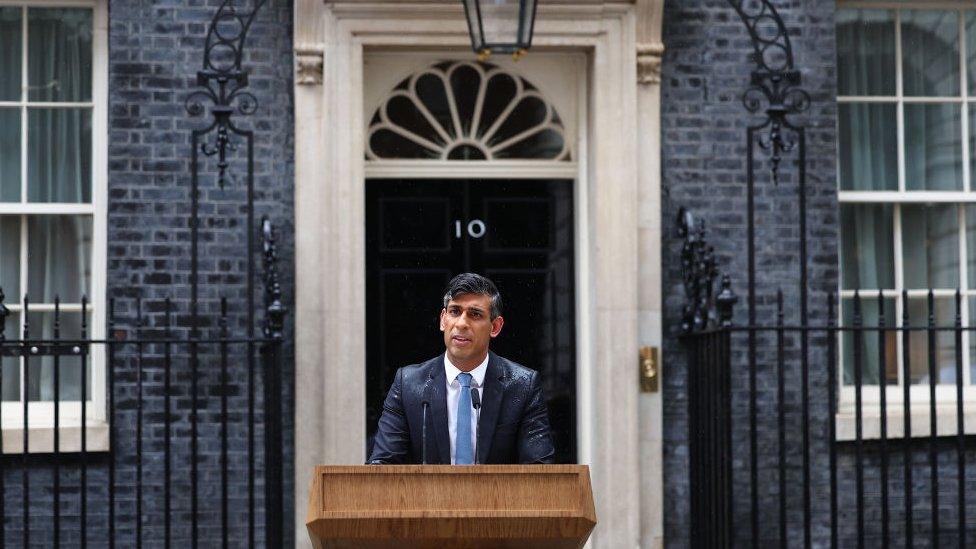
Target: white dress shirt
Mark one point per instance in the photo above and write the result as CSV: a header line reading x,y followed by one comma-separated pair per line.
x,y
454,394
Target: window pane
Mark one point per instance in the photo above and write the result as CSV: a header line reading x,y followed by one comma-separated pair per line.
x,y
930,52
865,52
11,365
945,345
40,377
10,258
867,246
971,50
930,245
868,147
933,155
543,144
59,155
59,257
870,353
10,155
972,340
500,19
972,143
11,53
431,91
59,54
971,251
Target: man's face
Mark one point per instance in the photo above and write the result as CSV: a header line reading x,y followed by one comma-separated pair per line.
x,y
468,327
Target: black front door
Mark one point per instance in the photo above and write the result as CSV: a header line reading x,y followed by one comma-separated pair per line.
x,y
519,233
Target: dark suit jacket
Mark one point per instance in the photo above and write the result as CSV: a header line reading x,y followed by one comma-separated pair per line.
x,y
513,428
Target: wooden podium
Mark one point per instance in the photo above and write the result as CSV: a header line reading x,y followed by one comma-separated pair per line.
x,y
444,506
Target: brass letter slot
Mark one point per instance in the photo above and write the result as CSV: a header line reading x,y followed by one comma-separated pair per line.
x,y
648,369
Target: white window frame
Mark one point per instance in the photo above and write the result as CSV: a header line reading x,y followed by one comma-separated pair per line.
x,y
41,414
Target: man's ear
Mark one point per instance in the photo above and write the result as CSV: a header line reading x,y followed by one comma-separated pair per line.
x,y
443,312
496,326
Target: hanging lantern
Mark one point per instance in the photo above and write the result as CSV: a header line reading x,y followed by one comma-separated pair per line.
x,y
500,26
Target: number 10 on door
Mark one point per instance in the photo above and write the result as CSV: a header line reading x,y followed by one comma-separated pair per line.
x,y
476,228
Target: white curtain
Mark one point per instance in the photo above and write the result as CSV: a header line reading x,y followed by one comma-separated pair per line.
x,y
59,170
868,146
865,52
59,69
930,49
867,255
933,147
11,41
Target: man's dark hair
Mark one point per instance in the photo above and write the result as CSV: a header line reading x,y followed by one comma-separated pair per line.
x,y
473,283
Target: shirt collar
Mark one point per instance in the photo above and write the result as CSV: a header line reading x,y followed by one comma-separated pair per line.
x,y
477,375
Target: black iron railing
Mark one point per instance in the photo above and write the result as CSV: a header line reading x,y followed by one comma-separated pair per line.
x,y
755,392
899,483
183,410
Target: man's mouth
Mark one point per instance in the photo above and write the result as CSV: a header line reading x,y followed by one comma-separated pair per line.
x,y
460,340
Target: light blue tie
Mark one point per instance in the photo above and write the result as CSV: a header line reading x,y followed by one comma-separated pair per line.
x,y
463,453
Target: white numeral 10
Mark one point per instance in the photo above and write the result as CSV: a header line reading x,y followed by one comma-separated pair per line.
x,y
476,228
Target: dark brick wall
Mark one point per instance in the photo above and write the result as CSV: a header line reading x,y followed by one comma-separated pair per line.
x,y
706,69
155,49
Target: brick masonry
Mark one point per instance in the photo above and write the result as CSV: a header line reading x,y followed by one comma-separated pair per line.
x,y
706,69
155,50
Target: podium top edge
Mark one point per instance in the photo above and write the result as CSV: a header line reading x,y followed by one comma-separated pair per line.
x,y
453,469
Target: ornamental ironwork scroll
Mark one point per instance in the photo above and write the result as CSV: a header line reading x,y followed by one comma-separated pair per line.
x,y
223,84
775,82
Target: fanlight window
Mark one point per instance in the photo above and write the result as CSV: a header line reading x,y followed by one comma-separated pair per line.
x,y
466,111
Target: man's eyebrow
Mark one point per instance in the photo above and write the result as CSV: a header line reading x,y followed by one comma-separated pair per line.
x,y
473,308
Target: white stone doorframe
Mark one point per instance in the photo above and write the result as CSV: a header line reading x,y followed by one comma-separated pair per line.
x,y
618,285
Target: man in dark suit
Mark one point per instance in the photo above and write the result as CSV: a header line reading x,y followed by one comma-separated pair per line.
x,y
510,426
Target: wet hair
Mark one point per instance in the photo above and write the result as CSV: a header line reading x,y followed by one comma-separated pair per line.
x,y
473,283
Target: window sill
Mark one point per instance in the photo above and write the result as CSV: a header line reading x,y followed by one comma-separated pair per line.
x,y
41,438
945,417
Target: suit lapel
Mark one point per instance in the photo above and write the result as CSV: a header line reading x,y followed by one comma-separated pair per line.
x,y
438,409
491,399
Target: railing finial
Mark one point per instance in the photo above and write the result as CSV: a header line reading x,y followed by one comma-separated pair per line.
x,y
4,313
274,310
699,272
725,301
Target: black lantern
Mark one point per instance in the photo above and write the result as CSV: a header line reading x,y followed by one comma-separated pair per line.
x,y
503,26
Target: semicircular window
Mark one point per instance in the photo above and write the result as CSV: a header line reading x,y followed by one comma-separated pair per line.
x,y
463,110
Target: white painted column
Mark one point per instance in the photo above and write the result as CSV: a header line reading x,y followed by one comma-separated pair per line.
x,y
614,252
329,324
649,52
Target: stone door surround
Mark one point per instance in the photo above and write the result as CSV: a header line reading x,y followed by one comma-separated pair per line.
x,y
616,210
